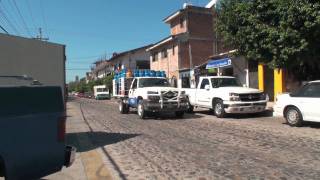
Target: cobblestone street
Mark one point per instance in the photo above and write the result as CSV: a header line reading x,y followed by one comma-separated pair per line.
x,y
200,146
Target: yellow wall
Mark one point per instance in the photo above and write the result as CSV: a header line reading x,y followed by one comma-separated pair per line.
x,y
261,77
279,82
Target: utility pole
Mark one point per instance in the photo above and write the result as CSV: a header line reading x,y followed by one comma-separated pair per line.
x,y
40,36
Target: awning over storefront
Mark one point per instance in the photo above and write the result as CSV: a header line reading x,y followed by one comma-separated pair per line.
x,y
219,63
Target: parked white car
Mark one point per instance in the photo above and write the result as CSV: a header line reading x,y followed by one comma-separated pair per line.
x,y
224,94
300,106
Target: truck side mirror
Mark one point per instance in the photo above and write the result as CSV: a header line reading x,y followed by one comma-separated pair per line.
x,y
207,87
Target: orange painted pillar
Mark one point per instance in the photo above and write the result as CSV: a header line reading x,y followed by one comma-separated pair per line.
x,y
279,82
261,77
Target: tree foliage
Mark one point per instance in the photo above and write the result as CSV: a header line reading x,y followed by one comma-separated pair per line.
x,y
280,33
82,86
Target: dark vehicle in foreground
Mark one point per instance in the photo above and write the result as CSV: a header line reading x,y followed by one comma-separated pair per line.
x,y
32,135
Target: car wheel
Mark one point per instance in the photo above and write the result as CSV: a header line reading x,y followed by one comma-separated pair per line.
x,y
190,108
179,114
293,116
141,112
123,107
218,109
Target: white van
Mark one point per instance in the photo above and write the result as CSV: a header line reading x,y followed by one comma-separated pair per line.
x,y
101,92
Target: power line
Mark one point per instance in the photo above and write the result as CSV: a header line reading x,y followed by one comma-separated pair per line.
x,y
31,14
9,14
21,17
8,21
84,58
3,29
43,18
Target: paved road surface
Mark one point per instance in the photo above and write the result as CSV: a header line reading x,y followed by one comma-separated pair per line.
x,y
199,146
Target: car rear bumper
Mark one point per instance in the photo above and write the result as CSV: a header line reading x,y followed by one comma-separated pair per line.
x,y
70,155
277,111
102,98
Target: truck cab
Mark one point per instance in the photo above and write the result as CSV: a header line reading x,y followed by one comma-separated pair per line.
x,y
224,94
153,94
101,92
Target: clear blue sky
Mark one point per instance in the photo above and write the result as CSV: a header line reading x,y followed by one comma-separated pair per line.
x,y
92,28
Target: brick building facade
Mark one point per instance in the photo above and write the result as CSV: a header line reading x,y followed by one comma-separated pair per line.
x,y
190,43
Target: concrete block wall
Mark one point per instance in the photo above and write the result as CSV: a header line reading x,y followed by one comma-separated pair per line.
x,y
176,27
168,64
200,25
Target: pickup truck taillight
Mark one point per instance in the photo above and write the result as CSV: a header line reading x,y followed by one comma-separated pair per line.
x,y
62,127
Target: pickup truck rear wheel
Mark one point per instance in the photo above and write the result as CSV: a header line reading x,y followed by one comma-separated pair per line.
x,y
218,108
141,112
190,107
123,107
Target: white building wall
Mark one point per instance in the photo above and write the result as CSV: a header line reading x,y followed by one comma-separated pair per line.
x,y
41,60
130,60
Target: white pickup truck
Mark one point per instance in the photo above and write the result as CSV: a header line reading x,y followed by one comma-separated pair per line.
x,y
150,94
223,94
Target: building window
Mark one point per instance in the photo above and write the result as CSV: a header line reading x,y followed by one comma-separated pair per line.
x,y
164,53
173,50
181,23
155,57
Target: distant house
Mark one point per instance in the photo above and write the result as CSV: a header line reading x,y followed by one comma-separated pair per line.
x,y
132,59
102,69
189,45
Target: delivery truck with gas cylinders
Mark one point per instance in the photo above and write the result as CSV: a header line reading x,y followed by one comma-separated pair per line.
x,y
149,92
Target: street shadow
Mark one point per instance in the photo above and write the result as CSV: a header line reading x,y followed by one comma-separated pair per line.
x,y
86,141
264,114
172,117
168,116
71,98
306,124
267,113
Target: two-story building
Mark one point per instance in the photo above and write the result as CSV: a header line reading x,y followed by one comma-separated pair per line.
x,y
101,69
132,59
189,45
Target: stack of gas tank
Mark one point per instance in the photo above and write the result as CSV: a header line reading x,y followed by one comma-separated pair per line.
x,y
124,73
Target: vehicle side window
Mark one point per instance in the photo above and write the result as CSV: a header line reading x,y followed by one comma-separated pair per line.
x,y
134,84
312,90
204,83
215,83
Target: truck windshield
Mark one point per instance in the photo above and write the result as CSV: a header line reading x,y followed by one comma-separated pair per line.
x,y
153,82
102,90
224,82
